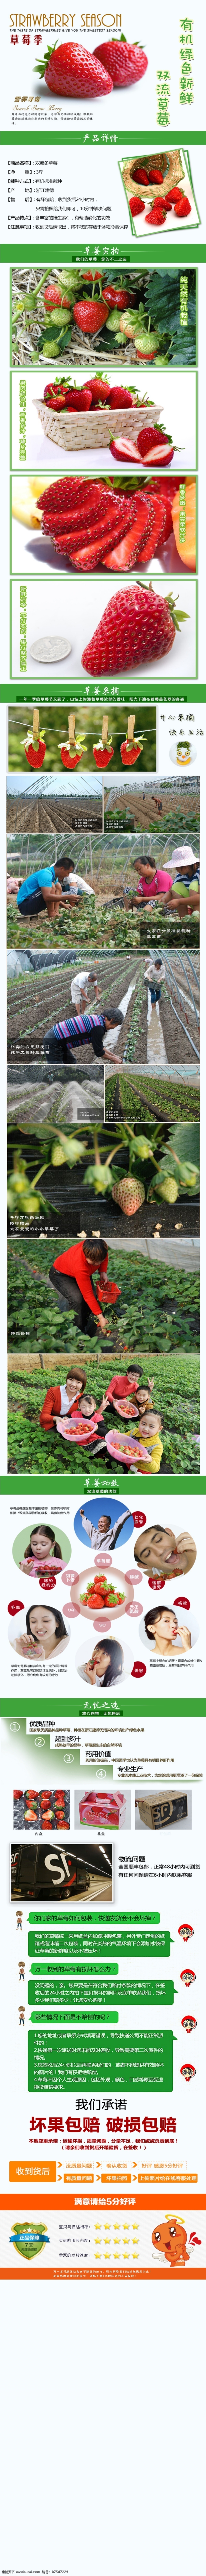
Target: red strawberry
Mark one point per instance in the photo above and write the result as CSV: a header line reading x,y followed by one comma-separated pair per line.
x,y
155,531
184,207
123,448
35,753
118,296
137,626
126,63
54,397
126,553
136,205
102,754
70,760
120,399
156,214
153,442
176,193
79,400
166,489
99,390
72,73
90,316
130,752
144,177
53,295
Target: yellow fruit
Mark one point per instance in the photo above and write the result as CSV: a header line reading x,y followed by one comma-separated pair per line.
x,y
186,546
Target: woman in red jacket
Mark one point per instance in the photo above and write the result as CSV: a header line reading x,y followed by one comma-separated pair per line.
x,y
62,1399
71,1276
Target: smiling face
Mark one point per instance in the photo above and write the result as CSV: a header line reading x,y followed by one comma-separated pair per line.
x,y
87,1406
73,1388
154,1547
104,1524
40,1544
42,1626
170,2240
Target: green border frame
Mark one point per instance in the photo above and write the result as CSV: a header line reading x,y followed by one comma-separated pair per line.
x,y
80,690
167,144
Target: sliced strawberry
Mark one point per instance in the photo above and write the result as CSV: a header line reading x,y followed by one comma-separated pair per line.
x,y
123,449
155,530
154,444
126,553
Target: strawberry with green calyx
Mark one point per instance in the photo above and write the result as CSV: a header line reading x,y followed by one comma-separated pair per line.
x,y
64,397
117,296
132,326
155,445
132,747
72,749
156,214
70,72
55,296
121,399
137,626
136,205
90,313
35,745
125,63
103,751
100,391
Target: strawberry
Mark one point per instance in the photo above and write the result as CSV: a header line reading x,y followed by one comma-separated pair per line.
x,y
55,398
70,72
184,207
167,489
142,175
176,193
156,214
137,626
102,753
126,63
126,553
70,760
155,531
53,296
154,444
136,205
120,399
130,752
100,391
123,448
78,400
118,296
90,316
35,752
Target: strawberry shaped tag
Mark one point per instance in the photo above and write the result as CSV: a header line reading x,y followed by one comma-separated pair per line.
x,y
35,745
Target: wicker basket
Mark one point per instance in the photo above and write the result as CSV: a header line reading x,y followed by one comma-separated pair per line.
x,y
170,175
74,430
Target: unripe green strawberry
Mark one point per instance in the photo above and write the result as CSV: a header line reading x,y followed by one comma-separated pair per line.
x,y
168,1190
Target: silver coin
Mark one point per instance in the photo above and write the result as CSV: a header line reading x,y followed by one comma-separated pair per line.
x,y
50,648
